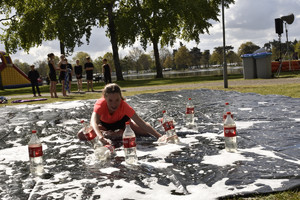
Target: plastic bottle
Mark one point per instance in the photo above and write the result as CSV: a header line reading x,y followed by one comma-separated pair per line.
x,y
189,112
230,134
90,135
102,152
129,145
226,109
168,124
35,151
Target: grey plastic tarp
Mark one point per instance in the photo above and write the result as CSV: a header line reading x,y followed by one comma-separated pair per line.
x,y
268,156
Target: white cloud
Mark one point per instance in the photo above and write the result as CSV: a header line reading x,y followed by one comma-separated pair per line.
x,y
245,21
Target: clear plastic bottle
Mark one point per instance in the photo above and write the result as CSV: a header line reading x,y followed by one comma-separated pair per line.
x,y
105,152
226,109
189,113
90,135
35,151
230,134
129,145
168,124
102,152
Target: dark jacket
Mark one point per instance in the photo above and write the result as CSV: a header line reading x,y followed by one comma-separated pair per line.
x,y
33,75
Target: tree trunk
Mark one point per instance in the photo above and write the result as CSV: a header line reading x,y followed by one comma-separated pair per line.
x,y
62,48
1,85
114,43
159,73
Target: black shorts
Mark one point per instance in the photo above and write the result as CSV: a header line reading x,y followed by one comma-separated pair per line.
x,y
79,76
70,77
62,76
117,125
89,75
52,77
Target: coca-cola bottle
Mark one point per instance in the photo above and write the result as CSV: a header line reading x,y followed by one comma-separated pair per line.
x,y
35,151
189,113
230,134
90,135
129,145
102,152
168,124
226,109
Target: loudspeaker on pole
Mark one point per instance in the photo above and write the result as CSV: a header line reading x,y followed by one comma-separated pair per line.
x,y
279,26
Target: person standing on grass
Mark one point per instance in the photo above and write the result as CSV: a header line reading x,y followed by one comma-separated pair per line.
x,y
78,73
52,75
89,69
33,75
70,71
106,70
62,65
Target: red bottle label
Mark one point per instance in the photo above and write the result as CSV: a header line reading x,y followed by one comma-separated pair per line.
x,y
35,151
90,135
225,116
189,111
229,131
129,142
168,125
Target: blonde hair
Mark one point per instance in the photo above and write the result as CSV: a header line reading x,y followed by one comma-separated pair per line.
x,y
111,89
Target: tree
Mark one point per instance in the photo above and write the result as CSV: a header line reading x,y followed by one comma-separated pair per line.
x,y
196,55
297,47
25,67
135,54
247,48
127,63
205,58
169,63
33,22
145,61
161,22
183,58
164,53
217,56
232,57
42,67
98,64
81,56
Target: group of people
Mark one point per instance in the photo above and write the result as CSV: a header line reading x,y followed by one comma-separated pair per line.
x,y
66,71
111,111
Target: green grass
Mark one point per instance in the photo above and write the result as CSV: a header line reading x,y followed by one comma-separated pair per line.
x,y
292,90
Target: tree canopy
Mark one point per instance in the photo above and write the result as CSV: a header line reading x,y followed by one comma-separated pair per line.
x,y
32,22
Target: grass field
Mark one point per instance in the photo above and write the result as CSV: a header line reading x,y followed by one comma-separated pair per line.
x,y
292,90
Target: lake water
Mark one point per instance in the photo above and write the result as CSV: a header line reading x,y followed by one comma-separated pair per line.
x,y
174,74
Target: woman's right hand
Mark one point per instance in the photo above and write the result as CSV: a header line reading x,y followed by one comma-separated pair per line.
x,y
105,141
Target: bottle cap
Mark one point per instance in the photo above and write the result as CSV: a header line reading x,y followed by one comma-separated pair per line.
x,y
190,98
164,111
33,131
228,113
128,122
226,103
81,121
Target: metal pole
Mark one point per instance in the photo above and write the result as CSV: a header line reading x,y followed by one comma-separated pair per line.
x,y
224,50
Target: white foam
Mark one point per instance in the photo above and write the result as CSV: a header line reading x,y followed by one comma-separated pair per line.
x,y
109,170
224,158
245,109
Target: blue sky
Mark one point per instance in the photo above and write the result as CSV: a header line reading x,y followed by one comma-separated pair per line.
x,y
245,21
